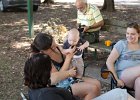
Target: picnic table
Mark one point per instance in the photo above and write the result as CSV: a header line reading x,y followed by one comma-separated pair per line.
x,y
104,36
99,46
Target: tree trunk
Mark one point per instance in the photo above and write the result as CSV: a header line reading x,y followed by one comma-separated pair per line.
x,y
108,5
48,1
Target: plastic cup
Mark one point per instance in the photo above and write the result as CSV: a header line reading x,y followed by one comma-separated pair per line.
x,y
107,43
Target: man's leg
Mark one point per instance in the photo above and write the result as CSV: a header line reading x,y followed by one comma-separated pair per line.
x,y
96,36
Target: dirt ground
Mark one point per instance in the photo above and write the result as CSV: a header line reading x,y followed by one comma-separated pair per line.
x,y
14,40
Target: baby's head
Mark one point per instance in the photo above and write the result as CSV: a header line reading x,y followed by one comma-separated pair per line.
x,y
73,36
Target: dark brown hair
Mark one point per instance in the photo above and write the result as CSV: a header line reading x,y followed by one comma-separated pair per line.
x,y
135,26
43,41
37,71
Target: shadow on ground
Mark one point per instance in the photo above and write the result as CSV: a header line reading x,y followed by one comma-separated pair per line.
x,y
14,41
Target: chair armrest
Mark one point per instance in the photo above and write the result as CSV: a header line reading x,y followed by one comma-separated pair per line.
x,y
23,96
113,77
105,73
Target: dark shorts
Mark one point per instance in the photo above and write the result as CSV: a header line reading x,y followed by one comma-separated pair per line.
x,y
92,37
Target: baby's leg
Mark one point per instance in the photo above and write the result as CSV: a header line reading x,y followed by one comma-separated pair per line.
x,y
79,64
71,65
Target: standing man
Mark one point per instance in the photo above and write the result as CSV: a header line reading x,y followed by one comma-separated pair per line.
x,y
90,19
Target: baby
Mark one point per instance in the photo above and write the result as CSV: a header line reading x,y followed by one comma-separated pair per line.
x,y
72,40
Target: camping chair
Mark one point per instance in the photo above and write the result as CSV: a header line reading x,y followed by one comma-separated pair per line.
x,y
86,64
24,96
105,73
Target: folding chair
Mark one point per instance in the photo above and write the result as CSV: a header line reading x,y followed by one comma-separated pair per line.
x,y
23,96
105,73
86,64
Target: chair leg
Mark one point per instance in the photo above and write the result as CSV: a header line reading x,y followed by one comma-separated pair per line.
x,y
113,85
84,71
95,54
23,96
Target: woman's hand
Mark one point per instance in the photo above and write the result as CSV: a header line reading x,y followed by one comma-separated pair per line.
x,y
71,54
120,83
72,72
69,51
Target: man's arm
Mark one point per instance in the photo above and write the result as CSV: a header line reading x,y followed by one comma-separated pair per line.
x,y
95,25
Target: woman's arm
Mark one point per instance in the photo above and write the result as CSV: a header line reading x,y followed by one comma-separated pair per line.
x,y
111,64
65,51
68,58
66,64
57,76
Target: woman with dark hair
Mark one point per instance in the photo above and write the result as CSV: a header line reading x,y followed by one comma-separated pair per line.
x,y
37,72
87,88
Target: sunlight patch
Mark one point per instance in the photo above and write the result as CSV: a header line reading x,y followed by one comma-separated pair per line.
x,y
19,45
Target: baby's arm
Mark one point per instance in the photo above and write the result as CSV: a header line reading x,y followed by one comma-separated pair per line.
x,y
85,45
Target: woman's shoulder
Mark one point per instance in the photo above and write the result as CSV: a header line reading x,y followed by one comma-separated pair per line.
x,y
123,41
121,45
